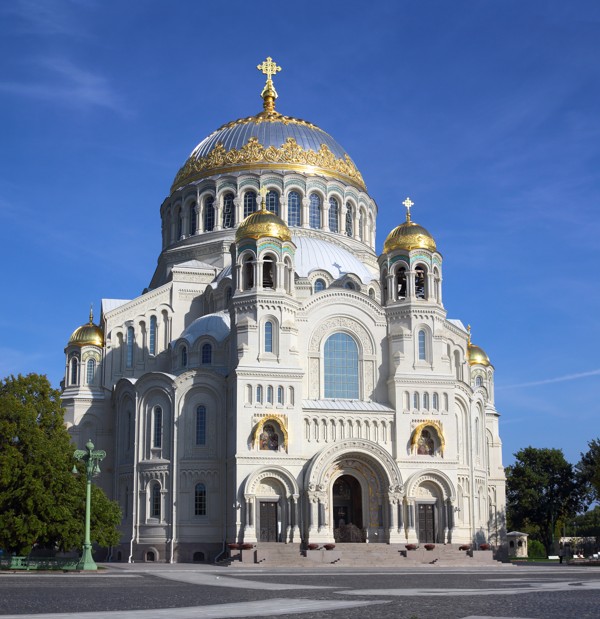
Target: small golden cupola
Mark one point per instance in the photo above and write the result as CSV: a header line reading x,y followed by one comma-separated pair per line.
x,y
263,223
88,334
408,235
475,354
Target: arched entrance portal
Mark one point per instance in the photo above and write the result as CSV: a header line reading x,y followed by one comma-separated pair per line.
x,y
347,509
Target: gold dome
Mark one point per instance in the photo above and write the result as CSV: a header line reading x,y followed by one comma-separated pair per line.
x,y
263,223
408,235
88,334
477,356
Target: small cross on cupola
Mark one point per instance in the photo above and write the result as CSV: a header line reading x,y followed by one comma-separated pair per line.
x,y
408,203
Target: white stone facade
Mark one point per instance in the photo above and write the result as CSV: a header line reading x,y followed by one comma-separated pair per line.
x,y
221,428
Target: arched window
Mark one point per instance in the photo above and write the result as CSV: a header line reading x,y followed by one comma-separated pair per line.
x,y
90,371
478,381
209,214
157,427
269,394
436,402
319,285
422,346
249,203
193,219
228,211
269,272
268,336
152,336
341,367
155,503
201,425
294,206
349,286
179,225
349,220
457,365
426,401
259,394
314,211
184,357
361,226
416,402
334,214
272,200
200,500
420,282
291,396
248,273
446,401
280,395
206,355
401,283
129,360
74,378
371,293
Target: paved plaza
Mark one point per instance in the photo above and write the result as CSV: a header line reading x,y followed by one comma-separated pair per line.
x,y
142,591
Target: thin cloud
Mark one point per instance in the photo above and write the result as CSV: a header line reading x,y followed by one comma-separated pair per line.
x,y
48,18
69,84
549,381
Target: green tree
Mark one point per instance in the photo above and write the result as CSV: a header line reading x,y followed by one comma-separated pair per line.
x,y
542,491
42,501
588,469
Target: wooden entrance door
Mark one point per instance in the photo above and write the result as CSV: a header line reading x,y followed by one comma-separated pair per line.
x,y
268,521
426,523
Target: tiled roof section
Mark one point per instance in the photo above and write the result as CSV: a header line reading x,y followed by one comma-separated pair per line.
x,y
346,405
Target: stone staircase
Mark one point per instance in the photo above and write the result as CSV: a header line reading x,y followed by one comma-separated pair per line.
x,y
361,555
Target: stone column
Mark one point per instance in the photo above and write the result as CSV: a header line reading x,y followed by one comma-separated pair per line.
x,y
314,514
410,284
218,206
296,523
237,211
412,531
305,204
392,293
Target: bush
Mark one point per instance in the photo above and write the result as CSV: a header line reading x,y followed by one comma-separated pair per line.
x,y
536,550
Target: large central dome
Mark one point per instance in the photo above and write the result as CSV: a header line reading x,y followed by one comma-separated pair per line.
x,y
269,140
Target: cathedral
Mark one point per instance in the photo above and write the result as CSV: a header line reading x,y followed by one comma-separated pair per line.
x,y
278,381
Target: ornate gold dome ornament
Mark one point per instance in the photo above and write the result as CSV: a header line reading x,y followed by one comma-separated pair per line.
x,y
263,223
475,354
409,235
273,141
88,334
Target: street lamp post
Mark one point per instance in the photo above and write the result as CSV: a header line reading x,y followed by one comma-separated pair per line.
x,y
91,458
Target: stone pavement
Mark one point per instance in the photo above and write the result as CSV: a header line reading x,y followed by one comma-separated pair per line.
x,y
186,591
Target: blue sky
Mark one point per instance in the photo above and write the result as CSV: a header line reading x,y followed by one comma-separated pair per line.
x,y
485,113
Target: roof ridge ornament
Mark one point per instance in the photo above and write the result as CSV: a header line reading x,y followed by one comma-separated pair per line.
x,y
269,94
408,203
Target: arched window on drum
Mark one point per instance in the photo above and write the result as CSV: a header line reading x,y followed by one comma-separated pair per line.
x,y
334,214
294,206
314,211
209,214
249,203
228,211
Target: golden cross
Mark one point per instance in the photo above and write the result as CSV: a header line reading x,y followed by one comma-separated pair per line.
x,y
469,331
268,67
408,203
263,191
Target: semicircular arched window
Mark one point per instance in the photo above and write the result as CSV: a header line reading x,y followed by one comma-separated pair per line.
x,y
319,285
209,214
294,205
341,367
228,211
249,203
333,214
314,211
272,201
